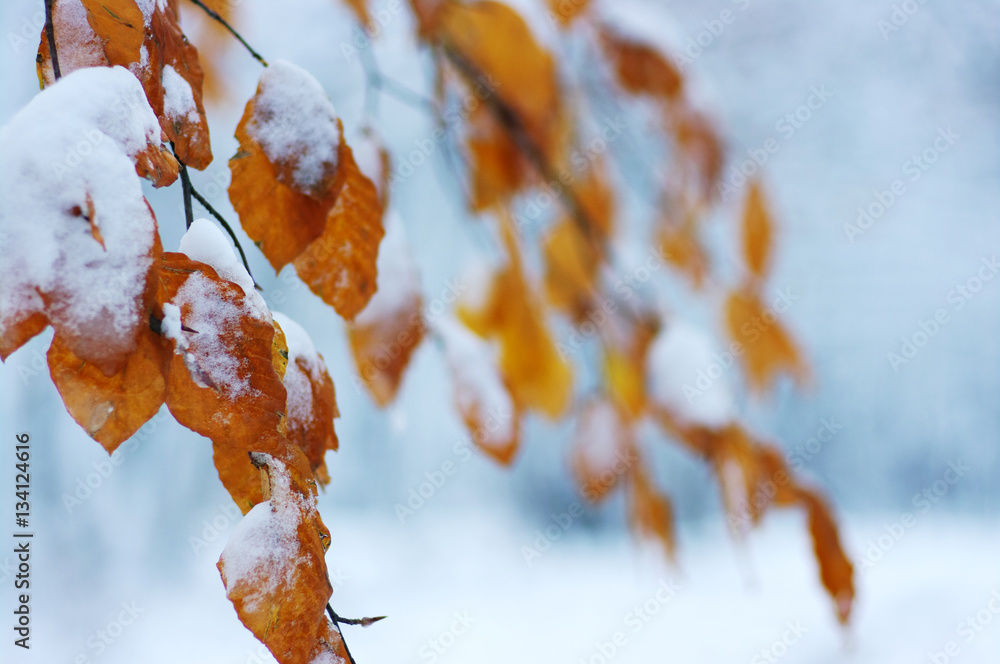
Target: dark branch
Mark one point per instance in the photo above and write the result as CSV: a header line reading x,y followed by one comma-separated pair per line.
x,y
186,188
336,619
50,33
214,15
229,229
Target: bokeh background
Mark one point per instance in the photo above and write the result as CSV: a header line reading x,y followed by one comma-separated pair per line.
x,y
150,533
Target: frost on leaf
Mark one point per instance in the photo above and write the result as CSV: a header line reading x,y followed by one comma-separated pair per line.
x,y
76,234
299,193
386,333
145,38
486,406
312,403
274,570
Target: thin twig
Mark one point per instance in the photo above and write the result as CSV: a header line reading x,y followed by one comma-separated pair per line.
x,y
336,619
213,14
229,229
186,188
50,32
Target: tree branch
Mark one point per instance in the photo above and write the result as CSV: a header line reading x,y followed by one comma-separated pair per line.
x,y
229,229
214,15
186,188
50,33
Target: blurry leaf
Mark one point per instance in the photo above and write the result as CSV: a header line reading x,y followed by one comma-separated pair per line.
x,y
571,263
153,47
311,402
538,376
602,449
384,336
704,153
491,40
489,412
650,512
641,68
274,570
498,170
680,245
768,348
565,11
757,231
835,568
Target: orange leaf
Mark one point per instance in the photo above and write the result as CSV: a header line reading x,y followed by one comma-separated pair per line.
x,y
490,39
603,449
642,68
680,245
768,348
111,408
498,169
650,512
312,403
757,230
489,412
566,11
384,336
571,263
274,570
341,264
835,569
221,379
154,48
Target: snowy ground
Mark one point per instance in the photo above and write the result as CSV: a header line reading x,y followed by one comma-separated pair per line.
x,y
458,589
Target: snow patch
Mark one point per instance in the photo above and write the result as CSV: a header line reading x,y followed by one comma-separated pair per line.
x,y
178,98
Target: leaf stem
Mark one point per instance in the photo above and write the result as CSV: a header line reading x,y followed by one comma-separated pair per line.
x,y
186,188
50,33
214,15
229,229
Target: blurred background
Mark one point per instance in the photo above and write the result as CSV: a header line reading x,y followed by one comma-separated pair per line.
x,y
452,576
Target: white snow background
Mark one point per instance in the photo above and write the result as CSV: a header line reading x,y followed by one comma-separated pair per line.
x,y
457,564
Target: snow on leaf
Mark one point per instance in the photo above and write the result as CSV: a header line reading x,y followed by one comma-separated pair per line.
x,y
686,379
221,380
757,231
603,449
768,349
486,406
386,333
312,403
145,38
76,234
340,266
274,570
